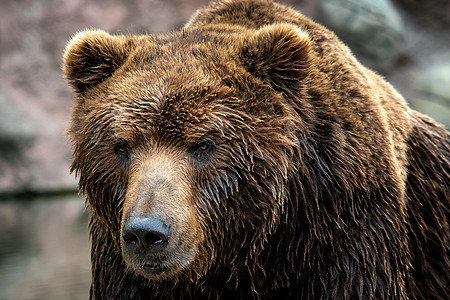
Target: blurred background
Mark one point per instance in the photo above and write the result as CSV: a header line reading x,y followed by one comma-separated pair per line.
x,y
44,245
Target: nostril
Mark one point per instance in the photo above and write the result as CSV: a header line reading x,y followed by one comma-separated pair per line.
x,y
152,238
131,238
145,234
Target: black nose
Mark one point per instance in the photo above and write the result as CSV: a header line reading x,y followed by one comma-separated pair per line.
x,y
149,235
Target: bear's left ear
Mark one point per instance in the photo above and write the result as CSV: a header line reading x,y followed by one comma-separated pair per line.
x,y
278,53
92,56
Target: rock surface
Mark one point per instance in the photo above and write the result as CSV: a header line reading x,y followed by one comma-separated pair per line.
x,y
373,28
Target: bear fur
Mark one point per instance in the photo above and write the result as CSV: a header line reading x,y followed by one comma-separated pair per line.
x,y
284,168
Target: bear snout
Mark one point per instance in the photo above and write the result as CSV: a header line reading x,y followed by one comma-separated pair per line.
x,y
145,235
160,233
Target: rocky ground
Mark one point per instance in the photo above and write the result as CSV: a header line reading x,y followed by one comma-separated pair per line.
x,y
405,40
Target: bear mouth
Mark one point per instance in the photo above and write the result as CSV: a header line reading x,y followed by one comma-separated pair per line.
x,y
155,269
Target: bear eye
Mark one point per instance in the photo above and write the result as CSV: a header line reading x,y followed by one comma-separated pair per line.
x,y
203,146
202,151
121,151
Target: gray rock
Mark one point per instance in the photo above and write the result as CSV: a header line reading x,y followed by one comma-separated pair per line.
x,y
433,13
17,137
434,88
371,28
16,130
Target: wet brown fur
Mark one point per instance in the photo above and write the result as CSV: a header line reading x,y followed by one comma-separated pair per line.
x,y
319,182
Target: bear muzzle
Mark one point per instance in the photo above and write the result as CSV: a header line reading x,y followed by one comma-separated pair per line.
x,y
159,227
145,246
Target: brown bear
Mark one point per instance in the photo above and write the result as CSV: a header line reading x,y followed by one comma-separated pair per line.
x,y
249,155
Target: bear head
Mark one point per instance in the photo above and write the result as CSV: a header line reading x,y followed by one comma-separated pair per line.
x,y
184,144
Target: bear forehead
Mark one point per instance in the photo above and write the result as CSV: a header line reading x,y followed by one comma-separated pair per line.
x,y
176,106
173,69
167,108
184,51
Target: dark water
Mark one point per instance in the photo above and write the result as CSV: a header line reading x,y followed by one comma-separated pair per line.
x,y
44,249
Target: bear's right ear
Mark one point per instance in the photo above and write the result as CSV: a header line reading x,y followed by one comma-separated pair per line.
x,y
92,56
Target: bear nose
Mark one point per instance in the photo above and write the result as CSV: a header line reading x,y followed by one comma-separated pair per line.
x,y
150,235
